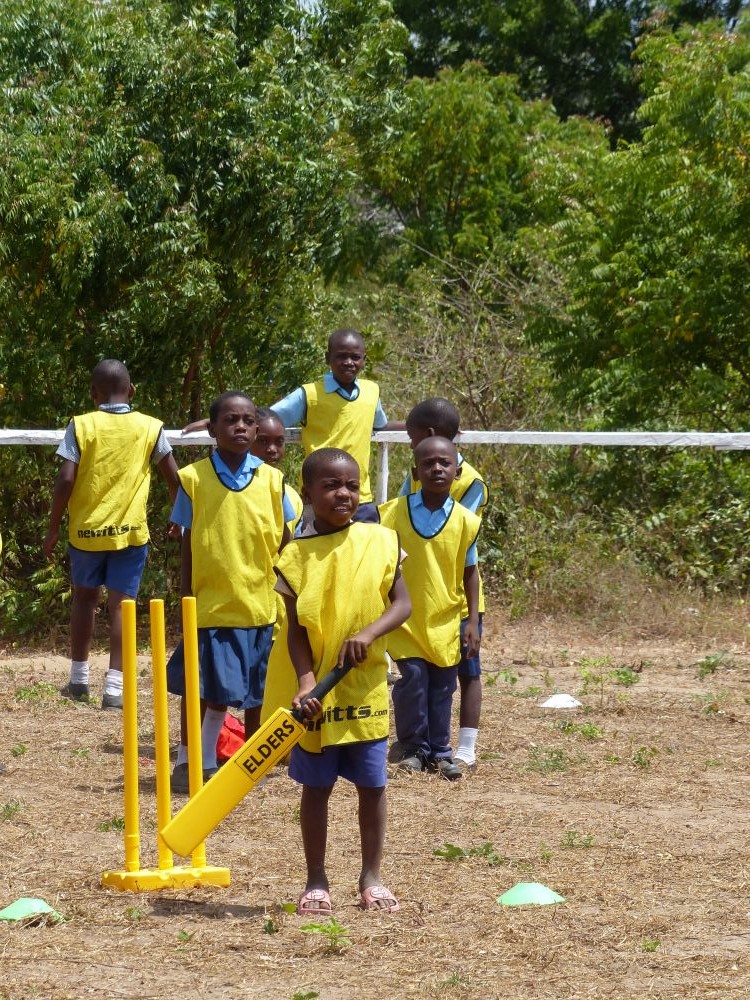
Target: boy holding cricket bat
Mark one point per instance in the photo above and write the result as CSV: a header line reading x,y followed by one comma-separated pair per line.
x,y
342,587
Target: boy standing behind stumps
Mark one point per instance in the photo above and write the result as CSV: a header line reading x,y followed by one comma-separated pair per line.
x,y
439,417
341,411
104,481
439,537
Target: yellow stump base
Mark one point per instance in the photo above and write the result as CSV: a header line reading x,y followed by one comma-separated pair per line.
x,y
153,879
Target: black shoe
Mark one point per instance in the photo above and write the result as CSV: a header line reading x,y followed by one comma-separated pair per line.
x,y
76,692
446,768
412,764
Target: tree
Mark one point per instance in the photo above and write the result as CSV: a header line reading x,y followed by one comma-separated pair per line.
x,y
575,53
654,249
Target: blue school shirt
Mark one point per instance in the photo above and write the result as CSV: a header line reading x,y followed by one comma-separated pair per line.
x,y
292,409
182,511
429,522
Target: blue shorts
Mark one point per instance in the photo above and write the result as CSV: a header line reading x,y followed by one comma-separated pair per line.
x,y
361,763
115,569
469,666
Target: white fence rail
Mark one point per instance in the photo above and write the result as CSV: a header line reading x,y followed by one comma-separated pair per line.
x,y
384,439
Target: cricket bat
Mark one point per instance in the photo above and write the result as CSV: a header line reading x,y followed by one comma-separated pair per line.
x,y
242,772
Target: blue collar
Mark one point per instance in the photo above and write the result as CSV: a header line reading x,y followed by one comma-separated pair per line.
x,y
331,385
416,500
249,464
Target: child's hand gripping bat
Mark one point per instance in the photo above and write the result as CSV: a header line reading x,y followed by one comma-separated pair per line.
x,y
242,772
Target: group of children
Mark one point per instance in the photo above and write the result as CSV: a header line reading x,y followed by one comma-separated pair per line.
x,y
339,578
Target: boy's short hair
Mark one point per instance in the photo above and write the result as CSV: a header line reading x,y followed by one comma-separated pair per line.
x,y
218,403
345,331
110,377
439,414
311,467
266,413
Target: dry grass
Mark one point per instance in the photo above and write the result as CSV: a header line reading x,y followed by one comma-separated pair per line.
x,y
637,813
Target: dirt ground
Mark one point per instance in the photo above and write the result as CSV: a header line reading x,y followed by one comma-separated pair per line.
x,y
633,807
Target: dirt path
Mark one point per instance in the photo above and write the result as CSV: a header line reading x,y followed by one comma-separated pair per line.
x,y
635,808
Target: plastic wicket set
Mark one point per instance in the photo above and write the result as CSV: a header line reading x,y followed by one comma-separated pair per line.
x,y
166,876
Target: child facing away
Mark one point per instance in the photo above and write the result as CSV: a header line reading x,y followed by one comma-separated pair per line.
x,y
233,512
440,417
340,410
439,536
104,482
344,593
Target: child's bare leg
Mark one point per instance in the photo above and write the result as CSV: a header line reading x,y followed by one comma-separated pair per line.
x,y
252,721
471,701
372,820
83,609
313,816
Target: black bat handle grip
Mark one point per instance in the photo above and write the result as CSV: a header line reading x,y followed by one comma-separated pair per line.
x,y
322,688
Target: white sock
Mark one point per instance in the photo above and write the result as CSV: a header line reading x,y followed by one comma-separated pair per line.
x,y
113,682
182,756
213,720
79,671
467,745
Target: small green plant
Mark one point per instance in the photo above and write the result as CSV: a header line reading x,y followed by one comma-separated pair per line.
x,y
508,677
336,935
532,691
643,756
455,979
573,840
81,753
545,853
184,936
270,926
587,730
710,664
10,810
134,913
36,692
712,702
594,672
490,680
116,823
452,852
625,676
491,755
597,672
18,750
612,758
546,760
650,944
305,995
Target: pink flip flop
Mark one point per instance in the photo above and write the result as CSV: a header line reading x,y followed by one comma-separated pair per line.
x,y
315,903
377,897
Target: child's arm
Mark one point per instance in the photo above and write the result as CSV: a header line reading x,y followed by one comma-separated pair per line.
x,y
471,587
168,471
63,487
196,425
186,564
356,648
393,425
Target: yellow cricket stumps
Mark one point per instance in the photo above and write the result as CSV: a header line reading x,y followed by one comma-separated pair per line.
x,y
166,876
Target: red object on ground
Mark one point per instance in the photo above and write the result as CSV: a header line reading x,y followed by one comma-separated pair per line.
x,y
231,738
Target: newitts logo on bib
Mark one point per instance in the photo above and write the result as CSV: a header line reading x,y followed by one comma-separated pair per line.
x,y
108,532
351,713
